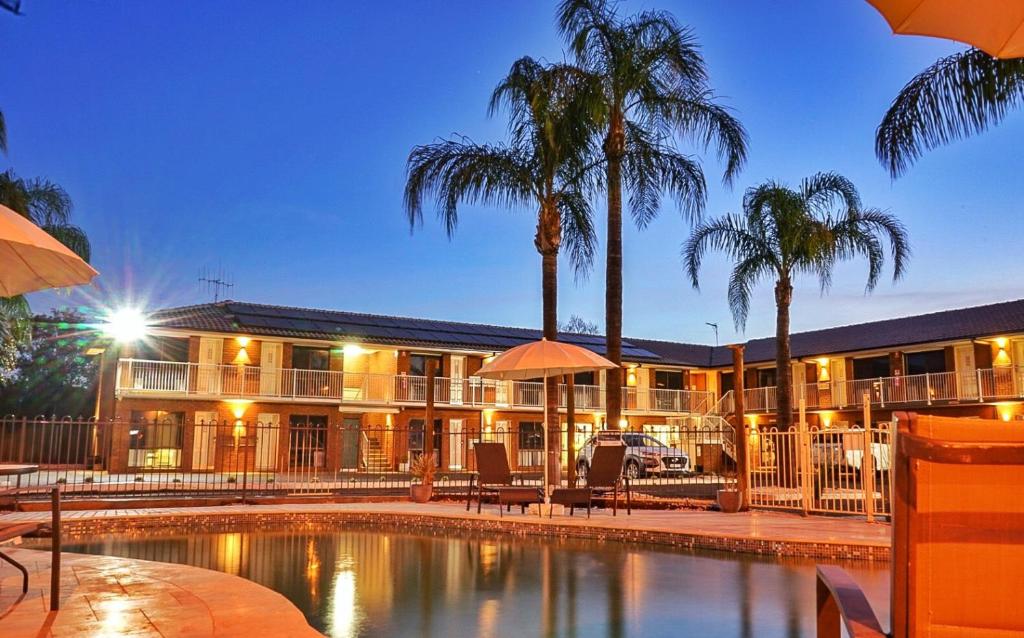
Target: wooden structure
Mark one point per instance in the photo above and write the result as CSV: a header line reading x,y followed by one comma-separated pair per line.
x,y
605,476
958,536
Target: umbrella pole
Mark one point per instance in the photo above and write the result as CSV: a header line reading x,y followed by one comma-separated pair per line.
x,y
547,461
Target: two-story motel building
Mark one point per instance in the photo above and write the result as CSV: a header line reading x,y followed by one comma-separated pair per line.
x,y
336,375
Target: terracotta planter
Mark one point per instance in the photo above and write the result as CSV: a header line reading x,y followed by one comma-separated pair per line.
x,y
420,493
729,501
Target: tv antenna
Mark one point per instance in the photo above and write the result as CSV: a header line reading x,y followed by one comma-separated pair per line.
x,y
215,282
714,326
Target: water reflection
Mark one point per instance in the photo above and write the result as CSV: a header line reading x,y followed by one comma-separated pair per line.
x,y
363,583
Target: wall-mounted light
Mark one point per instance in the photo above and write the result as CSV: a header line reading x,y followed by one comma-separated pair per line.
x,y
243,341
631,376
238,408
1006,410
352,350
826,419
623,423
488,416
823,373
1002,357
242,358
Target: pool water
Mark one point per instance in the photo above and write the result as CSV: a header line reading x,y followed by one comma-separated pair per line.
x,y
370,582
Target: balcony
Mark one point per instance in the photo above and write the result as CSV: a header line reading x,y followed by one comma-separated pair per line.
x,y
142,378
991,384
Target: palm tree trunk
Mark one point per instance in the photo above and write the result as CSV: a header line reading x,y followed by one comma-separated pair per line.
x,y
549,283
614,148
547,242
786,452
783,362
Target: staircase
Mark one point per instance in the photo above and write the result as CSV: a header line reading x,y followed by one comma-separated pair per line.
x,y
374,457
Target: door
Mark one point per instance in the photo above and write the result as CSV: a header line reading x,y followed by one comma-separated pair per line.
x,y
211,353
270,368
838,373
800,384
458,374
268,433
350,427
204,440
456,443
966,372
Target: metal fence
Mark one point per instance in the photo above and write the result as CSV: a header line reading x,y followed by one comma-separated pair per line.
x,y
823,470
690,457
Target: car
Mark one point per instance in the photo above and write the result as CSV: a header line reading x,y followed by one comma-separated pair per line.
x,y
645,455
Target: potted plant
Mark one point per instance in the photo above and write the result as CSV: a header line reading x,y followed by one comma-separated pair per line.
x,y
422,469
730,499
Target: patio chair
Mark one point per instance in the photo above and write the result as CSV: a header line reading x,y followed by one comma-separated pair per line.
x,y
494,476
16,530
957,539
605,476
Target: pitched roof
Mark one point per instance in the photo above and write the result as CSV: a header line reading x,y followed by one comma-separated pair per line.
x,y
947,325
333,325
305,323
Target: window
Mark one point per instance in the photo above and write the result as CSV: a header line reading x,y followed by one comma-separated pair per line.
x,y
418,364
307,438
163,349
417,437
585,378
727,382
766,378
668,379
311,358
531,444
930,361
155,439
871,367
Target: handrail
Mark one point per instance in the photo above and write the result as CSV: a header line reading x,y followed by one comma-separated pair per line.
x,y
841,601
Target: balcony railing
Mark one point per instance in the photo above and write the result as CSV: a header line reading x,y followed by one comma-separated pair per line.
x,y
990,384
142,377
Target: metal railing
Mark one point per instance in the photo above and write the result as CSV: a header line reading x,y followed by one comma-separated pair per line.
x,y
988,384
235,459
827,470
136,377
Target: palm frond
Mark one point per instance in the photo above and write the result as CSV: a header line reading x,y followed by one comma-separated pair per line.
x,y
579,235
744,276
3,133
455,171
653,168
729,234
71,236
958,96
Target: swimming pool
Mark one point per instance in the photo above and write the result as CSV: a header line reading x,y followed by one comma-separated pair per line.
x,y
357,581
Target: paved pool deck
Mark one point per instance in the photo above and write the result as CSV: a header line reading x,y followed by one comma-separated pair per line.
x,y
107,596
757,532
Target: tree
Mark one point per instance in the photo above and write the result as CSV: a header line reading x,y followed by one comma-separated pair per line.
x,y
652,88
578,325
48,206
958,96
52,374
545,164
783,233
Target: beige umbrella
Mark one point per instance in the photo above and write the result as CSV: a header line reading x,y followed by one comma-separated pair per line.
x,y
32,260
543,359
994,26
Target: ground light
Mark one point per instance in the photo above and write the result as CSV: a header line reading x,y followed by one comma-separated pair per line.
x,y
125,325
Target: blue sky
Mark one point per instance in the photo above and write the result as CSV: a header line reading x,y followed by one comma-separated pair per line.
x,y
269,139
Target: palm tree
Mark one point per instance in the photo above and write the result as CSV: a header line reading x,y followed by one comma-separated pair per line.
x,y
653,85
545,164
48,206
783,233
958,96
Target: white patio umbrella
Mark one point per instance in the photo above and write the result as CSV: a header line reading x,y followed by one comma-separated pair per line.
x,y
543,359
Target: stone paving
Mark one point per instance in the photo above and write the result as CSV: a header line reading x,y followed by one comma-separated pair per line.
x,y
106,596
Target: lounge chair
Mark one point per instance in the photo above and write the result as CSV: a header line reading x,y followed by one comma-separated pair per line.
x,y
605,475
494,476
957,539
